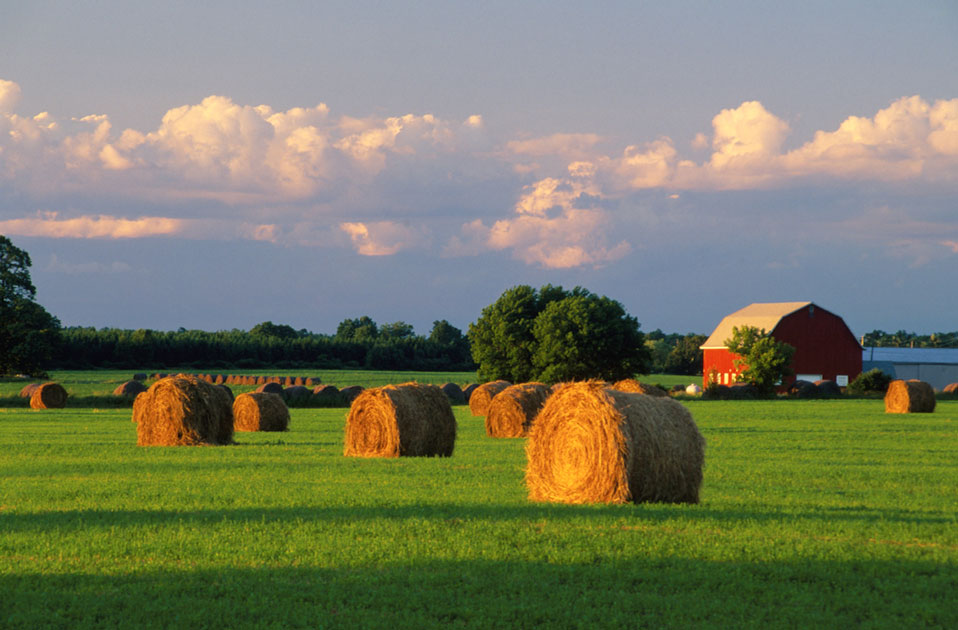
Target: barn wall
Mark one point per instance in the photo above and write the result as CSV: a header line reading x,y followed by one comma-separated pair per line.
x,y
823,343
719,361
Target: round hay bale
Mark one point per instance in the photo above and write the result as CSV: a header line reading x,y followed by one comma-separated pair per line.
x,y
468,389
803,389
350,393
28,390
139,376
909,397
596,445
693,389
229,392
483,394
270,388
951,388
512,411
48,396
258,380
299,381
260,412
828,388
325,390
219,379
183,411
130,389
453,392
312,381
411,419
634,387
296,393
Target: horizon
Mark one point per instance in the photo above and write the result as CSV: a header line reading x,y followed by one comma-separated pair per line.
x,y
306,164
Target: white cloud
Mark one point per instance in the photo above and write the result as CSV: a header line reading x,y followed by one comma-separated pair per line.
x,y
381,238
9,96
49,224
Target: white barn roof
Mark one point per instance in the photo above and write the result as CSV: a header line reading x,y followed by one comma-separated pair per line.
x,y
765,315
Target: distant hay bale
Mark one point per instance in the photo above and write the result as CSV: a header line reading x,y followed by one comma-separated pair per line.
x,y
219,379
258,380
312,381
28,390
411,419
468,389
453,392
634,387
803,389
693,390
130,389
951,388
183,411
350,392
483,395
260,412
270,388
139,376
48,396
299,381
513,410
296,393
326,390
909,397
590,444
828,388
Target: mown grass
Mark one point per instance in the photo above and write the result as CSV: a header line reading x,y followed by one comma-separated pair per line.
x,y
813,514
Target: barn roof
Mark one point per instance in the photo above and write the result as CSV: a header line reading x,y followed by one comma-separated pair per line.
x,y
765,315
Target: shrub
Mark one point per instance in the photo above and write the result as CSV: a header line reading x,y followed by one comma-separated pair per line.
x,y
871,381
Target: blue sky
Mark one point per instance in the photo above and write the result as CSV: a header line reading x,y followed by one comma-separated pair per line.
x,y
217,166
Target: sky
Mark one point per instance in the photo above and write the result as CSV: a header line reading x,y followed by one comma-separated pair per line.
x,y
216,165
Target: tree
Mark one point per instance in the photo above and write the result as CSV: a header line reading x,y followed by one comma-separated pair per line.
x,y
502,340
552,334
396,330
587,336
269,329
28,333
762,360
686,356
361,330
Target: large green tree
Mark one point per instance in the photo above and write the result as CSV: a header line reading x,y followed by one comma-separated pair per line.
x,y
28,333
762,359
552,335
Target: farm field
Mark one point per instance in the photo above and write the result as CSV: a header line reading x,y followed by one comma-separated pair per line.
x,y
813,514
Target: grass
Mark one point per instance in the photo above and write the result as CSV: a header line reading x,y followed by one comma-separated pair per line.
x,y
813,513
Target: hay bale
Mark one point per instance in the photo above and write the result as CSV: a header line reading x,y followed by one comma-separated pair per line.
x,y
28,390
260,412
350,393
229,392
48,396
453,392
468,389
828,388
483,395
296,393
183,411
634,387
400,420
270,388
951,388
909,397
130,389
326,390
512,411
591,444
803,389
139,376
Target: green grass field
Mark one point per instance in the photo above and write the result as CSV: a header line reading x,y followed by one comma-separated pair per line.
x,y
813,514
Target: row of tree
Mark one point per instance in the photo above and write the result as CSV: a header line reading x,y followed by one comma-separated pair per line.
x,y
904,339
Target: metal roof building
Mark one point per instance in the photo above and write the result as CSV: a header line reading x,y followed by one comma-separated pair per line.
x,y
936,366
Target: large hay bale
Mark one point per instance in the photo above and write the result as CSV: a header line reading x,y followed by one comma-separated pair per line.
x,y
951,388
326,390
591,444
828,388
803,389
28,390
260,412
183,411
270,388
130,389
350,392
139,376
513,410
228,391
909,397
48,396
453,392
634,387
411,419
296,393
468,389
482,395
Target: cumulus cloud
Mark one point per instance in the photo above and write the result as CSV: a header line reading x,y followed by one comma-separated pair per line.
x,y
9,96
49,224
381,238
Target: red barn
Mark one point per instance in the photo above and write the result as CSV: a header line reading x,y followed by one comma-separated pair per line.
x,y
824,346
